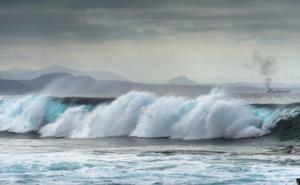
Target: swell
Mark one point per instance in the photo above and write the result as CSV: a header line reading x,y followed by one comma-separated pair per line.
x,y
142,114
287,129
284,119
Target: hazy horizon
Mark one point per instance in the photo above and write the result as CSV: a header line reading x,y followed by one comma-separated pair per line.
x,y
260,83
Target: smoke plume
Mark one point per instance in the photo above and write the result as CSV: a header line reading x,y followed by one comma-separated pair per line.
x,y
267,66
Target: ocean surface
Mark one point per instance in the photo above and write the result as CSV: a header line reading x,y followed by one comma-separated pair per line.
x,y
141,138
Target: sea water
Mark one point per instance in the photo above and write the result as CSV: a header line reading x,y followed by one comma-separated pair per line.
x,y
26,160
141,138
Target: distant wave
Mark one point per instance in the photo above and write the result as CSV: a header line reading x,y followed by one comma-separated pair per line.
x,y
142,114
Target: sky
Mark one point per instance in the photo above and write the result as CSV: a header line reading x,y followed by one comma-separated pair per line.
x,y
153,40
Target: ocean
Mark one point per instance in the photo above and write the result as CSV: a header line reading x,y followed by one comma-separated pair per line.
x,y
142,138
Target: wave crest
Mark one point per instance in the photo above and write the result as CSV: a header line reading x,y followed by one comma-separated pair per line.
x,y
145,115
142,114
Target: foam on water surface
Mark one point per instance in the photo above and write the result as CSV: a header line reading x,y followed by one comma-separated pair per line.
x,y
110,161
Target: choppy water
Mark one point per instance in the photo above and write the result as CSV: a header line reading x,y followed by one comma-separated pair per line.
x,y
26,160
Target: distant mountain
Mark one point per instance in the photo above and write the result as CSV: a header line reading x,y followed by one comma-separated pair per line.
x,y
182,80
24,74
65,84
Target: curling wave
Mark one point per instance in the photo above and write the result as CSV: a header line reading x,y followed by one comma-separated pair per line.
x,y
142,114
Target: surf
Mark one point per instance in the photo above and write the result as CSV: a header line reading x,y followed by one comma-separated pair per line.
x,y
145,115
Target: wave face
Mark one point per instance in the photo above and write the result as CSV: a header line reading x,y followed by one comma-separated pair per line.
x,y
142,114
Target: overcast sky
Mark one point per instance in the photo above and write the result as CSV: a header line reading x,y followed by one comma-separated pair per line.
x,y
153,40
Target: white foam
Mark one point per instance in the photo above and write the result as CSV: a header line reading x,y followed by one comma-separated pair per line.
x,y
21,114
217,116
65,125
117,119
145,115
141,114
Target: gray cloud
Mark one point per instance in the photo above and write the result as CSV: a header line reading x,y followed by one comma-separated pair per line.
x,y
104,20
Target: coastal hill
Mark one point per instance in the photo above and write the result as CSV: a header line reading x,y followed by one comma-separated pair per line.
x,y
182,80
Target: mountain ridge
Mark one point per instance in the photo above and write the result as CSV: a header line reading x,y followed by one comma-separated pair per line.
x,y
65,84
27,74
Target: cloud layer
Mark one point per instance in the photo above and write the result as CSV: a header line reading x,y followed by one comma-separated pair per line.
x,y
160,39
102,20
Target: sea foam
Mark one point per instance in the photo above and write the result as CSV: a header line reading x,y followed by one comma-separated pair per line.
x,y
142,114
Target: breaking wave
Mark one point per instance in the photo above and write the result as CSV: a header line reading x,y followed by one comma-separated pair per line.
x,y
142,114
